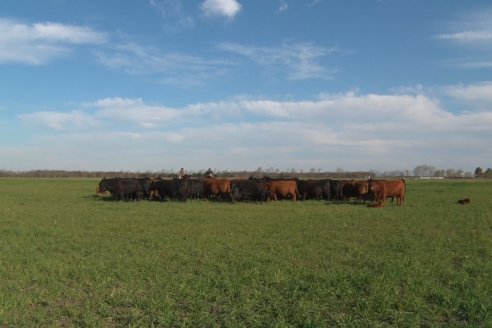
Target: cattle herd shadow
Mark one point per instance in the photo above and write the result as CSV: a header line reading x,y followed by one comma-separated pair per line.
x,y
347,202
108,198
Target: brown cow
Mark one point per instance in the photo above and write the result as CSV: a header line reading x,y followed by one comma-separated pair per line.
x,y
217,188
382,189
282,189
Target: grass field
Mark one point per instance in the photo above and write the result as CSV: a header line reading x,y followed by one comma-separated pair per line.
x,y
69,259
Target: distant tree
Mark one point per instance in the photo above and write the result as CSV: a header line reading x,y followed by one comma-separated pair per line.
x,y
424,171
439,173
478,171
450,173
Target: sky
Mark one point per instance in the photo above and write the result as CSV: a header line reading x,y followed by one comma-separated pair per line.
x,y
150,85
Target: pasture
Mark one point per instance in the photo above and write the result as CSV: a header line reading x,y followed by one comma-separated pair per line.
x,y
68,258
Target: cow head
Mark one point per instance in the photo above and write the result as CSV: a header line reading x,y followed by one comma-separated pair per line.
x,y
363,188
101,189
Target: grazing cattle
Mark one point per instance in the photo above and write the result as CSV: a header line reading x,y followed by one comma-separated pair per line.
x,y
217,188
281,189
145,184
380,190
175,189
122,188
464,201
196,189
314,189
355,189
336,189
248,190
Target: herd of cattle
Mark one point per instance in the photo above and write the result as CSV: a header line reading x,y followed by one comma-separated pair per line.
x,y
253,189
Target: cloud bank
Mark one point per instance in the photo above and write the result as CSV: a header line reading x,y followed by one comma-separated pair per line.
x,y
350,130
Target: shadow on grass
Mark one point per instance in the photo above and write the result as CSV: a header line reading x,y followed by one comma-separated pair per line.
x,y
98,198
347,202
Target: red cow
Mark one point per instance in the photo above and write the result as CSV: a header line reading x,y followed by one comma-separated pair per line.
x,y
282,188
216,188
382,189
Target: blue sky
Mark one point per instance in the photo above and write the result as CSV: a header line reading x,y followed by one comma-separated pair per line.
x,y
234,84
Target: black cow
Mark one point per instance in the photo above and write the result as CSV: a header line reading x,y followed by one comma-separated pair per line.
x,y
175,189
196,189
355,189
336,188
122,188
249,190
314,189
145,184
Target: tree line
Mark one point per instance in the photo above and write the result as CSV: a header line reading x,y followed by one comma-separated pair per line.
x,y
420,171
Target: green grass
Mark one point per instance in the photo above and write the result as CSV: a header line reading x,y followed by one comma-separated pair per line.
x,y
68,259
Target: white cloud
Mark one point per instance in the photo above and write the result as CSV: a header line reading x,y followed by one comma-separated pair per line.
x,y
472,33
173,68
40,42
477,96
473,27
300,59
134,111
283,6
467,36
173,14
350,130
225,8
472,92
292,61
314,3
474,64
74,120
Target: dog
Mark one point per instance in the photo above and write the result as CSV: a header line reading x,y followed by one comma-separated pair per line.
x,y
464,201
